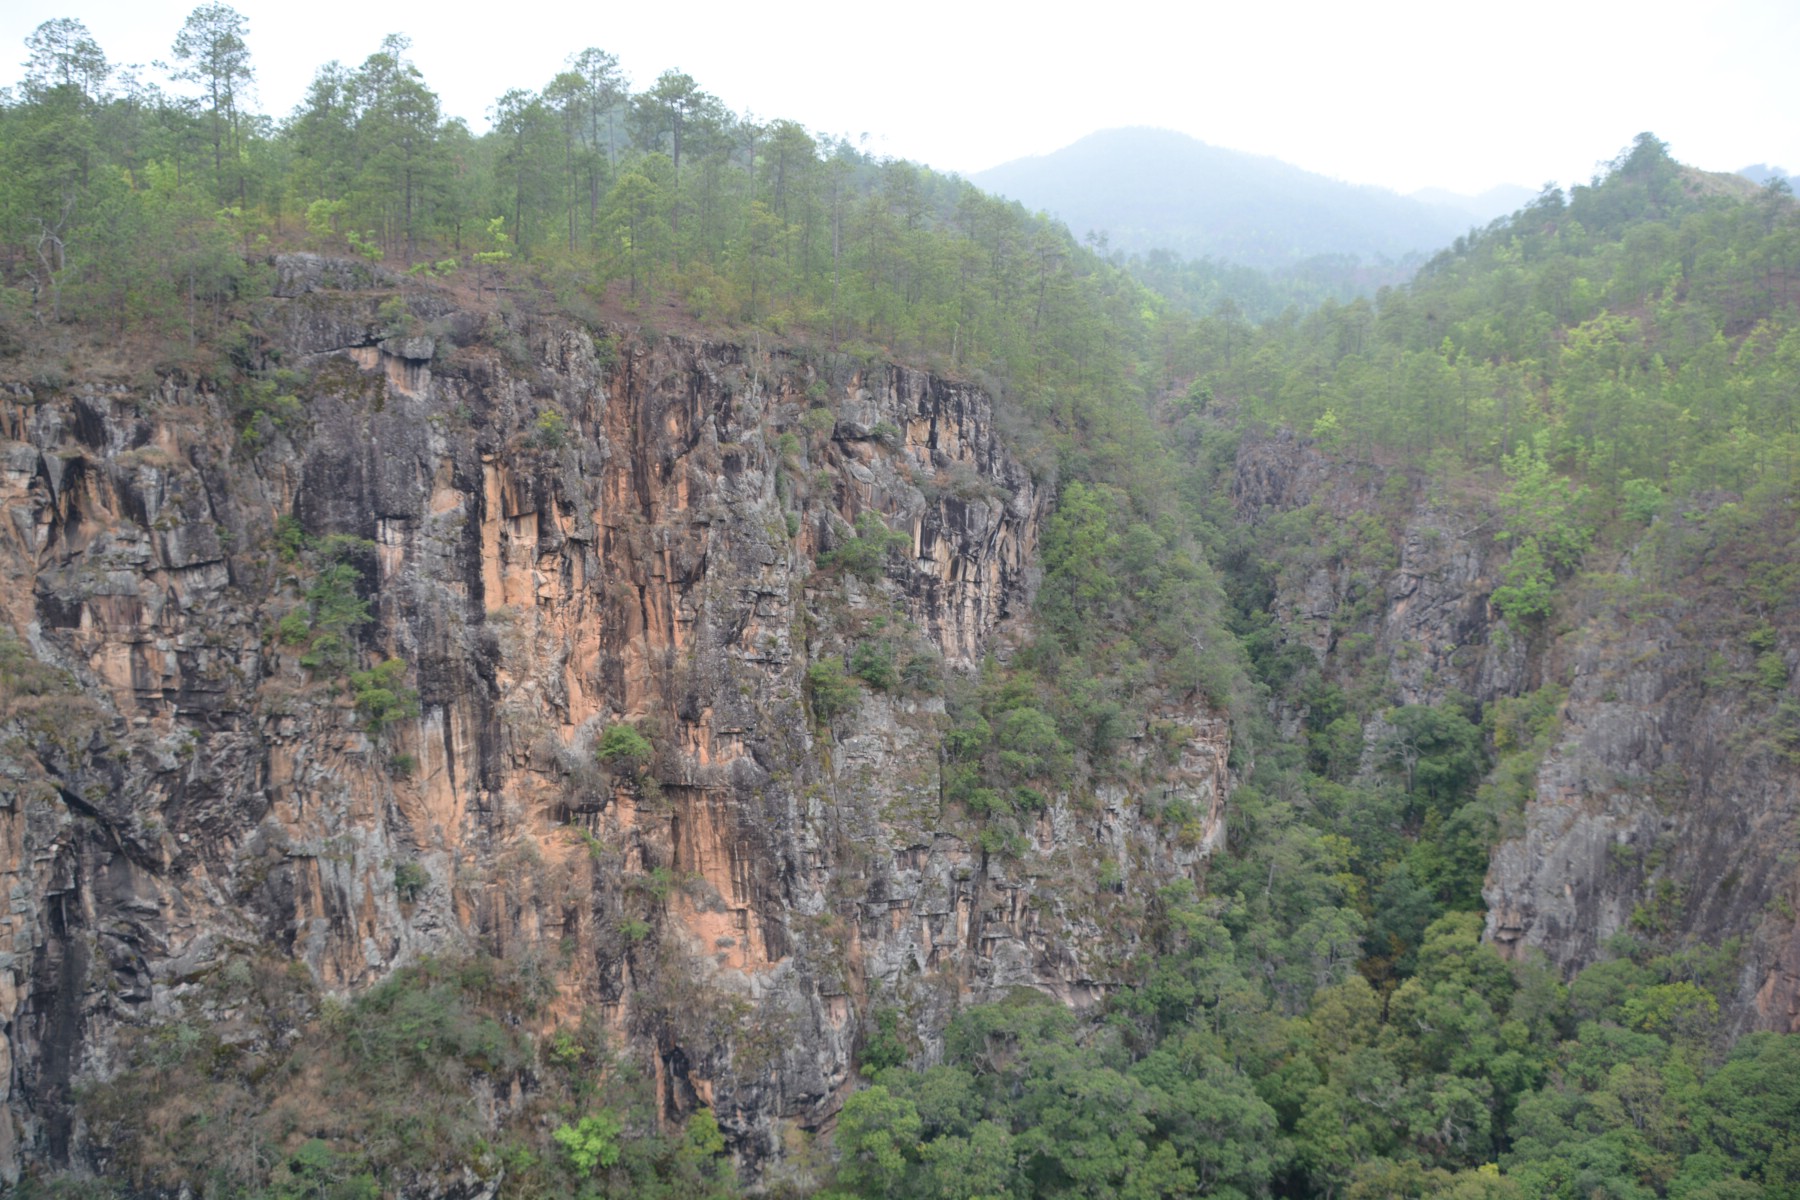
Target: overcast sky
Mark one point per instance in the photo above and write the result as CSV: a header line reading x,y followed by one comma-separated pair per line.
x,y
1403,95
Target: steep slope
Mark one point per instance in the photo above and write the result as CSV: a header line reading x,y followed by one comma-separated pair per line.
x,y
1663,801
476,634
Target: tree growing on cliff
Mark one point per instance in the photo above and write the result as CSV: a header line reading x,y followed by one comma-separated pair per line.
x,y
623,748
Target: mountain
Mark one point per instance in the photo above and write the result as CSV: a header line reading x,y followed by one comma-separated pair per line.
x,y
1481,208
1764,173
1150,189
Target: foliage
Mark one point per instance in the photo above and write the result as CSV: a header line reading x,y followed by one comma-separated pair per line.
x,y
885,1047
873,663
591,1142
336,610
387,1084
550,431
622,746
1609,365
829,690
410,879
867,553
379,696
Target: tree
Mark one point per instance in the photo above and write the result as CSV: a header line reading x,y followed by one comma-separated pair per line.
x,y
666,107
64,54
671,106
605,92
566,97
212,44
591,1142
525,134
877,1139
396,132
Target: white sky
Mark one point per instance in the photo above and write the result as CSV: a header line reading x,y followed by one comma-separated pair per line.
x,y
1404,95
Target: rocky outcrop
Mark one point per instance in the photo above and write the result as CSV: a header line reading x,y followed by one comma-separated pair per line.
x,y
1407,572
1670,807
555,532
1667,807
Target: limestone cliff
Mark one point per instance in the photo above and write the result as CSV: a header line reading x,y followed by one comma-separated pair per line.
x,y
557,531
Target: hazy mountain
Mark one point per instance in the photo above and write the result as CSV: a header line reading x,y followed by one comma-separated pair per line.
x,y
1500,200
1763,172
1157,189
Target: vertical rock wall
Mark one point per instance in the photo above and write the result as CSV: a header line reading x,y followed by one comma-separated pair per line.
x,y
1669,805
557,533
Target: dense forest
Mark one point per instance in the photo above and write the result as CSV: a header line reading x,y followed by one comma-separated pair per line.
x,y
1322,1018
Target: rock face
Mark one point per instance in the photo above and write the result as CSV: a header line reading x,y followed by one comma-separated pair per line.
x,y
556,534
1669,805
1409,577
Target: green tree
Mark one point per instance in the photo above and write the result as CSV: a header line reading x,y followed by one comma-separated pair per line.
x,y
64,54
591,1142
217,57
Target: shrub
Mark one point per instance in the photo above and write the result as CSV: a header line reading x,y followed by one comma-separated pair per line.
x,y
624,748
551,431
923,673
831,692
293,629
409,880
591,1142
290,538
885,1048
380,698
336,609
864,555
873,663
1526,594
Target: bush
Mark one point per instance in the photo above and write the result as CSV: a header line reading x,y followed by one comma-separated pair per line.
x,y
923,673
864,555
409,880
624,748
1526,594
591,1142
831,692
873,663
380,698
886,1047
293,629
551,431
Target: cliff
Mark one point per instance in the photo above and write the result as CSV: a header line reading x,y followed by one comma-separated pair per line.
x,y
313,669
1664,801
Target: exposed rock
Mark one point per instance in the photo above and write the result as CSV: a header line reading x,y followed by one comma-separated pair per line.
x,y
1668,808
555,539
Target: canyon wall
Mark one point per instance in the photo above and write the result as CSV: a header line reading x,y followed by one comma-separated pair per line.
x,y
1667,804
555,532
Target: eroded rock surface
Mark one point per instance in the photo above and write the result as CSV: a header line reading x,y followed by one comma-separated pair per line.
x,y
557,534
1669,805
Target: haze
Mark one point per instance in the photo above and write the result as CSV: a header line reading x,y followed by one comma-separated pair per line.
x,y
1404,96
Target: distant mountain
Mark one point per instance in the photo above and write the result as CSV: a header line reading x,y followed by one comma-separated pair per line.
x,y
1763,172
1149,189
1500,200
